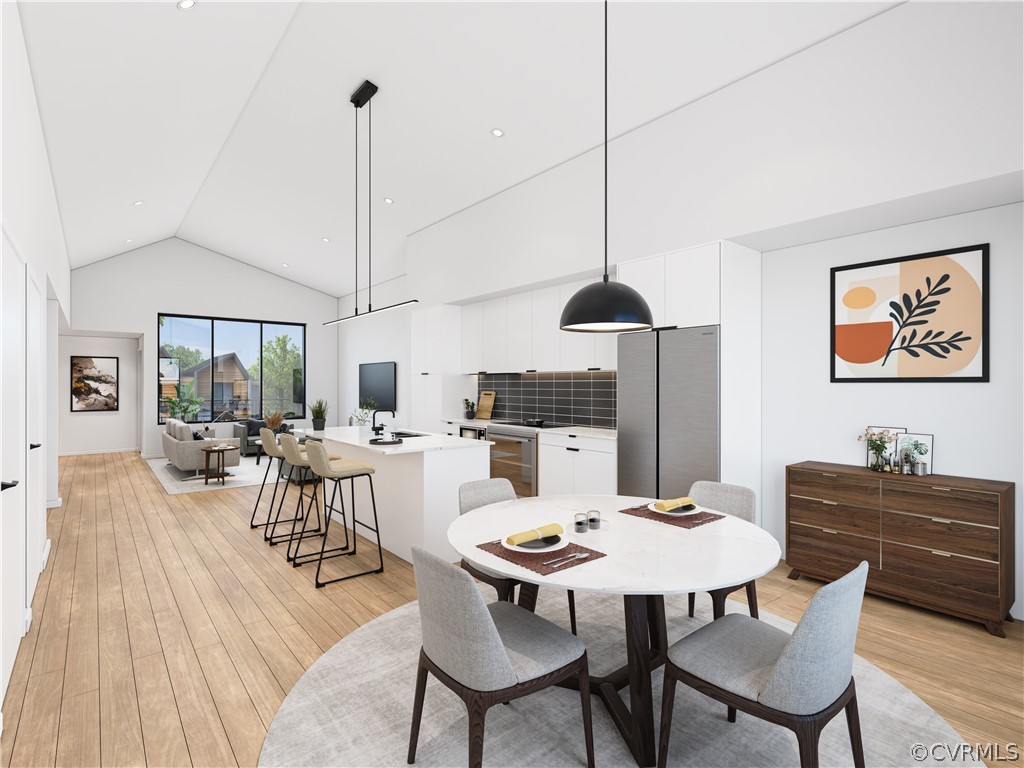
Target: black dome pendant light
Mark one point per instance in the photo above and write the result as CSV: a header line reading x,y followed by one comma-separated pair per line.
x,y
606,307
360,98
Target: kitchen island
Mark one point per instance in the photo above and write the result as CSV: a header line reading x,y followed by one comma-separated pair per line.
x,y
416,484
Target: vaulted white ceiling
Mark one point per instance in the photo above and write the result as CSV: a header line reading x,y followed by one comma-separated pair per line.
x,y
231,121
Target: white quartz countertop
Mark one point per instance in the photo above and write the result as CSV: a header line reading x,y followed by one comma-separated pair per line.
x,y
426,441
606,434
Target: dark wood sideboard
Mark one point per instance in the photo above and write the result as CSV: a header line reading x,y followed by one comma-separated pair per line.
x,y
937,541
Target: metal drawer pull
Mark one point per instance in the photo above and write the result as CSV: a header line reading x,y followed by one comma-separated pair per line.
x,y
941,554
830,503
828,474
942,520
828,530
940,488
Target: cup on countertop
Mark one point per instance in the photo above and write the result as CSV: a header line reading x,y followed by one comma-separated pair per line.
x,y
594,519
582,522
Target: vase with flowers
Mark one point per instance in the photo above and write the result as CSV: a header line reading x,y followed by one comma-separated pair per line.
x,y
878,444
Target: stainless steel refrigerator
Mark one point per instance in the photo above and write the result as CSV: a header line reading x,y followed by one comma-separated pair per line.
x,y
668,410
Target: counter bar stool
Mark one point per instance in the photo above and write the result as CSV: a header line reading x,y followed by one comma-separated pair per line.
x,y
271,448
299,462
338,470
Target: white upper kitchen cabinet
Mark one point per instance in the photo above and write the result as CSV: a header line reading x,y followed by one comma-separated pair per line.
x,y
472,338
647,277
435,332
495,325
692,287
547,310
520,332
575,350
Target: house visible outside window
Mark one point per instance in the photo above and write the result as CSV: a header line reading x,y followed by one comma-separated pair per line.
x,y
218,369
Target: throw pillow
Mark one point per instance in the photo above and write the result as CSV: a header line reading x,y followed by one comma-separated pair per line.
x,y
197,435
254,426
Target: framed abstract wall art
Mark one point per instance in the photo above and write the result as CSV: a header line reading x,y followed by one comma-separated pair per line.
x,y
93,383
912,319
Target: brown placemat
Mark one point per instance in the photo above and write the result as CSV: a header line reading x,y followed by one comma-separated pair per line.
x,y
535,560
685,521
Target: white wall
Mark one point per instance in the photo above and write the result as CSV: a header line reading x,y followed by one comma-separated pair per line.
x,y
99,432
923,97
125,293
31,218
53,410
978,427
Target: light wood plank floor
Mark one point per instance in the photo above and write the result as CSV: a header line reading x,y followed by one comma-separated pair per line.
x,y
167,632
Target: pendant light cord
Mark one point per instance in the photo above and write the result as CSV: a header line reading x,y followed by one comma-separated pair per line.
x,y
606,141
356,247
369,206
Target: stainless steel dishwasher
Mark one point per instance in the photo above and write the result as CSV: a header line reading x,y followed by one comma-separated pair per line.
x,y
514,456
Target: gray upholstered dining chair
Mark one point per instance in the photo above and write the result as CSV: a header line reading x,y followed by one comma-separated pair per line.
x,y
480,493
735,500
488,654
800,681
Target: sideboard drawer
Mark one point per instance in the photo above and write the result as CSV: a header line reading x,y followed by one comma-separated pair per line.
x,y
942,568
941,501
830,514
941,534
832,545
833,487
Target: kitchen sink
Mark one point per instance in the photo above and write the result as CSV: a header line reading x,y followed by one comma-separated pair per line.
x,y
404,435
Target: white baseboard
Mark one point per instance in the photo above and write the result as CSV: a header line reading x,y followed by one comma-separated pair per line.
x,y
148,456
99,450
54,503
46,554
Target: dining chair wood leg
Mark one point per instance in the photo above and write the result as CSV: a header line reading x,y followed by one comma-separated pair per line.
x,y
718,597
730,714
572,611
853,724
477,707
668,700
752,599
528,597
807,739
691,600
588,725
417,708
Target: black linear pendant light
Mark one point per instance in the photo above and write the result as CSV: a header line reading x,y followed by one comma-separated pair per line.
x,y
359,99
606,307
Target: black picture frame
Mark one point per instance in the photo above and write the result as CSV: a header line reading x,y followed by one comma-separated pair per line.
x,y
912,338
90,391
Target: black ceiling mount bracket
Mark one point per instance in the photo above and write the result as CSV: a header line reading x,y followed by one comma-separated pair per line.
x,y
363,94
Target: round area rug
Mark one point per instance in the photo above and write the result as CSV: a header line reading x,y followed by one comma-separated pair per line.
x,y
353,707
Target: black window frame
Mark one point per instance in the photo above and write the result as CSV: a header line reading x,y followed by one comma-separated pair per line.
x,y
213,337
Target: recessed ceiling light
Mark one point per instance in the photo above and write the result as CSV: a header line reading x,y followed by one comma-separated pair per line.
x,y
137,203
285,266
497,132
184,5
388,200
128,240
326,239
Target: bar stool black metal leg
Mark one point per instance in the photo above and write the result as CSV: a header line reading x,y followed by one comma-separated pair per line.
x,y
324,553
256,506
375,528
271,533
314,501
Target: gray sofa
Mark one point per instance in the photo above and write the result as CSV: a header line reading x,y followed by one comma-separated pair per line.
x,y
183,450
247,441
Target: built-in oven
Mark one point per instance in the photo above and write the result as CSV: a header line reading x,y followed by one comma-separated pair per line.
x,y
514,456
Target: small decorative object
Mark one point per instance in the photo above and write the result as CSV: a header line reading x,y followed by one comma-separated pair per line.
x,y
878,444
364,412
912,448
94,383
935,310
274,421
318,412
890,455
581,522
594,518
921,468
470,408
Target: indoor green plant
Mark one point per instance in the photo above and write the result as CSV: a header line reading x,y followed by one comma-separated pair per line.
x,y
186,405
318,412
364,412
470,408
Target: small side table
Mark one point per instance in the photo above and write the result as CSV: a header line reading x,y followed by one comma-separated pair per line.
x,y
219,470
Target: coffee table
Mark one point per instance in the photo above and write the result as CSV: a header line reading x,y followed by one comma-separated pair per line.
x,y
219,469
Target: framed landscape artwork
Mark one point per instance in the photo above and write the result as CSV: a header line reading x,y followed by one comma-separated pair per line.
x,y
912,319
93,383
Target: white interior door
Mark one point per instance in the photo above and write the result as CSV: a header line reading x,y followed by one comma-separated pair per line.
x,y
12,459
35,430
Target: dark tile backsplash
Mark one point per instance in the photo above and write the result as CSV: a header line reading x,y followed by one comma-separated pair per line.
x,y
577,398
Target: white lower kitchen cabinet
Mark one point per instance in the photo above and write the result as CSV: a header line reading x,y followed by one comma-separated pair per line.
x,y
576,465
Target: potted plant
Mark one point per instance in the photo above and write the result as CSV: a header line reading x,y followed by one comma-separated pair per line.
x,y
878,443
275,421
186,405
364,412
318,412
470,408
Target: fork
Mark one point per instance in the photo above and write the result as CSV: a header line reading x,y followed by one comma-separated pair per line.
x,y
578,556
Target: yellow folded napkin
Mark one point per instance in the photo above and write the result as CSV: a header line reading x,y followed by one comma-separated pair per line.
x,y
551,529
669,504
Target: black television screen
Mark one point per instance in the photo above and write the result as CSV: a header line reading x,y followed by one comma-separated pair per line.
x,y
377,382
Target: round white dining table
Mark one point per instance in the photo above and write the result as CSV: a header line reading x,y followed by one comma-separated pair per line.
x,y
644,561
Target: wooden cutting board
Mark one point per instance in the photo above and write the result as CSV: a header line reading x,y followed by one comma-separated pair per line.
x,y
486,405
